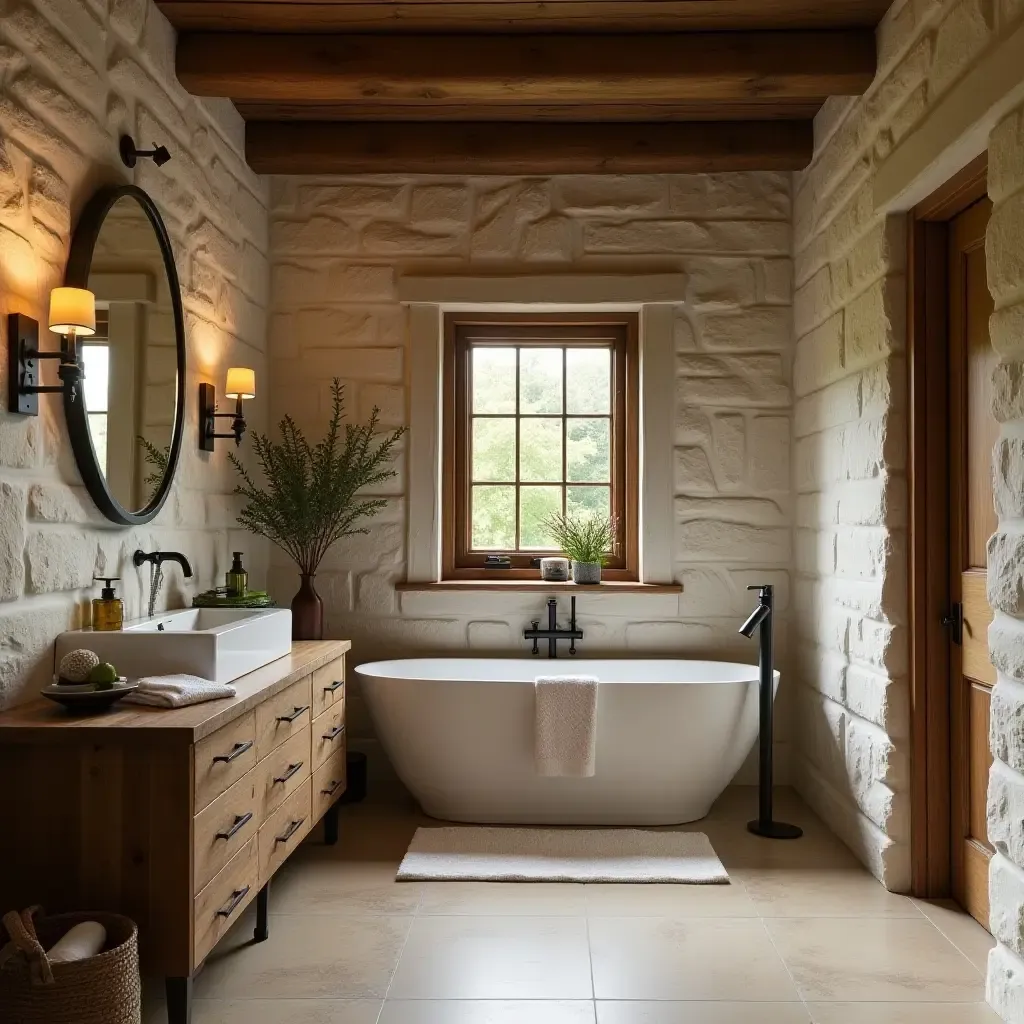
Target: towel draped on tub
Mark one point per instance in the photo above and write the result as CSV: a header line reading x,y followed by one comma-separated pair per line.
x,y
566,725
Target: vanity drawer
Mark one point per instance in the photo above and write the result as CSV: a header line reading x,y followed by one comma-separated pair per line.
x,y
328,686
329,782
282,716
282,772
219,905
225,826
328,734
223,758
284,830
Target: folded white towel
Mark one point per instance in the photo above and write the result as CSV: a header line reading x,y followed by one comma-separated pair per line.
x,y
177,691
566,725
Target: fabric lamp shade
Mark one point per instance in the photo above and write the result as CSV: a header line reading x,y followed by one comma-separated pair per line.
x,y
72,311
241,383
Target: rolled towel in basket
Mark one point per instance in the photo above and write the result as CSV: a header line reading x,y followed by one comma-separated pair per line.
x,y
178,690
79,943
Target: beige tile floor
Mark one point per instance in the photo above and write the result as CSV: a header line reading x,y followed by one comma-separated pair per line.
x,y
803,935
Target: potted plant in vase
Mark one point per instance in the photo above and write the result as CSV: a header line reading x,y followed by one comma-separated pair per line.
x,y
585,541
311,497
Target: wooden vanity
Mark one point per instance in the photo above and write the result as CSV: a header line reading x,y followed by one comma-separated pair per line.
x,y
177,818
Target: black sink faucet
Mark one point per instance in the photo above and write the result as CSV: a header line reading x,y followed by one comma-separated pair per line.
x,y
553,634
156,560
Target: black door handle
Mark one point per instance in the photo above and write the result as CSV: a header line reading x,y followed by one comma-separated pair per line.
x,y
334,686
295,714
292,769
334,733
290,831
954,622
236,751
333,789
240,821
236,897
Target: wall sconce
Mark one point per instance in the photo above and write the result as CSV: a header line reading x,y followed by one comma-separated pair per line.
x,y
240,385
72,314
130,153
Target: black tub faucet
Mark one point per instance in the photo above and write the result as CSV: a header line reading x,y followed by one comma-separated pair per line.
x,y
156,561
553,634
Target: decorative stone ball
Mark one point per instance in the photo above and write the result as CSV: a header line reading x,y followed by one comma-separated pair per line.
x,y
76,665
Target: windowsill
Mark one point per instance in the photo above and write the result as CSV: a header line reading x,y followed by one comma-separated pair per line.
x,y
528,586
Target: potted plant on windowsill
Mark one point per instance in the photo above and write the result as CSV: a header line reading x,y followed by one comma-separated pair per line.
x,y
313,495
585,541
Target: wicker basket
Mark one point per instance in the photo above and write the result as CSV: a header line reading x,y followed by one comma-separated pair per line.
x,y
102,989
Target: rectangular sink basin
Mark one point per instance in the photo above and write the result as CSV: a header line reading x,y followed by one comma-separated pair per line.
x,y
215,643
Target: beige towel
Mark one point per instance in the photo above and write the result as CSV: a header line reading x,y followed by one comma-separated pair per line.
x,y
177,691
566,725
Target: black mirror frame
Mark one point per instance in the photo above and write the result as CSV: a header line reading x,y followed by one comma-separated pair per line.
x,y
83,244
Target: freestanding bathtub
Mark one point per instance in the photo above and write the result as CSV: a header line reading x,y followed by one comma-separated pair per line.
x,y
670,737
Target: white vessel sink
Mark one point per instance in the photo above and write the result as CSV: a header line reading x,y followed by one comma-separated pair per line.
x,y
215,643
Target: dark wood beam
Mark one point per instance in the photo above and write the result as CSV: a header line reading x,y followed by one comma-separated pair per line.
x,y
694,67
519,15
309,147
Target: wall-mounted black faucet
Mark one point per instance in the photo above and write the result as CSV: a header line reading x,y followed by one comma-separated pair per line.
x,y
156,559
553,634
763,616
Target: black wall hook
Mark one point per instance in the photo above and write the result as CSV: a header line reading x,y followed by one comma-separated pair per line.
x,y
130,154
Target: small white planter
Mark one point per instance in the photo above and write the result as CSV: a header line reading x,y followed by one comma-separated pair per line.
x,y
586,572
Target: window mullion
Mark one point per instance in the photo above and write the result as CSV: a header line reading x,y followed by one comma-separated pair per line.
x,y
518,502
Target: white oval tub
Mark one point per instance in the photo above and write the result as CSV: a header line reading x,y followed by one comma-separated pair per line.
x,y
671,735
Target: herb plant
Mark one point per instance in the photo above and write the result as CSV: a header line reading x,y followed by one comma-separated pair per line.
x,y
584,539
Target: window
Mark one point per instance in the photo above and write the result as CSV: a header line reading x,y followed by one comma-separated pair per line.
x,y
540,416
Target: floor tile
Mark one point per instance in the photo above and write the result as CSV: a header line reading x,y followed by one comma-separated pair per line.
x,y
466,957
634,1012
614,900
358,888
902,1013
697,958
307,956
960,928
874,960
830,892
495,899
286,1011
486,1011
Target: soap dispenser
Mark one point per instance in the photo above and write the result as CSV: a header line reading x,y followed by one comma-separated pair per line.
x,y
107,609
236,578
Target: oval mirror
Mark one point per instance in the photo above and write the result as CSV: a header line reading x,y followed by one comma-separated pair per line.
x,y
126,418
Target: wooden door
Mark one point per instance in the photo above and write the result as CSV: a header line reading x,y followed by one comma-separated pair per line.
x,y
973,434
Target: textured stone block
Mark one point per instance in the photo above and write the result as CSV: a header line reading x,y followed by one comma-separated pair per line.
x,y
1006,572
752,328
59,561
664,237
693,473
440,206
1005,260
725,282
758,194
1006,901
730,435
1005,811
1006,723
963,34
12,540
769,445
355,199
386,239
1004,986
313,235
599,193
550,238
361,283
1006,646
704,540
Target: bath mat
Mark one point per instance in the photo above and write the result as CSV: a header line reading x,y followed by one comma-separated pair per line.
x,y
471,854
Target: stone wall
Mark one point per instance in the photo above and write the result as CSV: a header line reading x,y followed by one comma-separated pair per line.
x,y
74,76
339,248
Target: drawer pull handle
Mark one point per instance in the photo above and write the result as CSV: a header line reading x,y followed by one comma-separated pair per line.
x,y
295,714
292,769
236,897
334,733
241,820
236,751
337,684
334,786
290,831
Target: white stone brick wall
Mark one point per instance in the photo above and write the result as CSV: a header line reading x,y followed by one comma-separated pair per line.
x,y
340,245
74,76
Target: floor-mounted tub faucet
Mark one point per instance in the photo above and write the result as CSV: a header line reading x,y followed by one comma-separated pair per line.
x,y
156,561
762,617
553,634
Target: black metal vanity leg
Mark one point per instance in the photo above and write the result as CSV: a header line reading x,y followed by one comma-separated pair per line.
x,y
262,930
331,825
179,1000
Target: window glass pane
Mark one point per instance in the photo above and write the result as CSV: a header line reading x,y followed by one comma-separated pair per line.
x,y
588,450
588,501
588,380
96,360
540,450
535,505
494,380
98,432
540,380
494,449
493,518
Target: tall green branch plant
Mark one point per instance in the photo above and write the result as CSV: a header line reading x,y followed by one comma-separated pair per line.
x,y
311,498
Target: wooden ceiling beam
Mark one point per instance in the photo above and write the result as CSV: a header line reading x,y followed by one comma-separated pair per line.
x,y
519,15
693,67
309,147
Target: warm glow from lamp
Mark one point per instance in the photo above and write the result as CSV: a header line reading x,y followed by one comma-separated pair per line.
x,y
241,383
72,311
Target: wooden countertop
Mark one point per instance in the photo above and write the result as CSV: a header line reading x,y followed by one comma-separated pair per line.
x,y
42,719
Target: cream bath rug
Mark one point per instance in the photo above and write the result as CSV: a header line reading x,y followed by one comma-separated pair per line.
x,y
470,854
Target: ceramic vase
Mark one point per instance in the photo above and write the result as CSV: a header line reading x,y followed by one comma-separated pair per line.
x,y
307,611
586,572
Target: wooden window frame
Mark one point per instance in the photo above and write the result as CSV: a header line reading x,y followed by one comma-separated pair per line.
x,y
461,332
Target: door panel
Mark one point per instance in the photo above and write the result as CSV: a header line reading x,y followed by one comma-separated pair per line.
x,y
973,434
